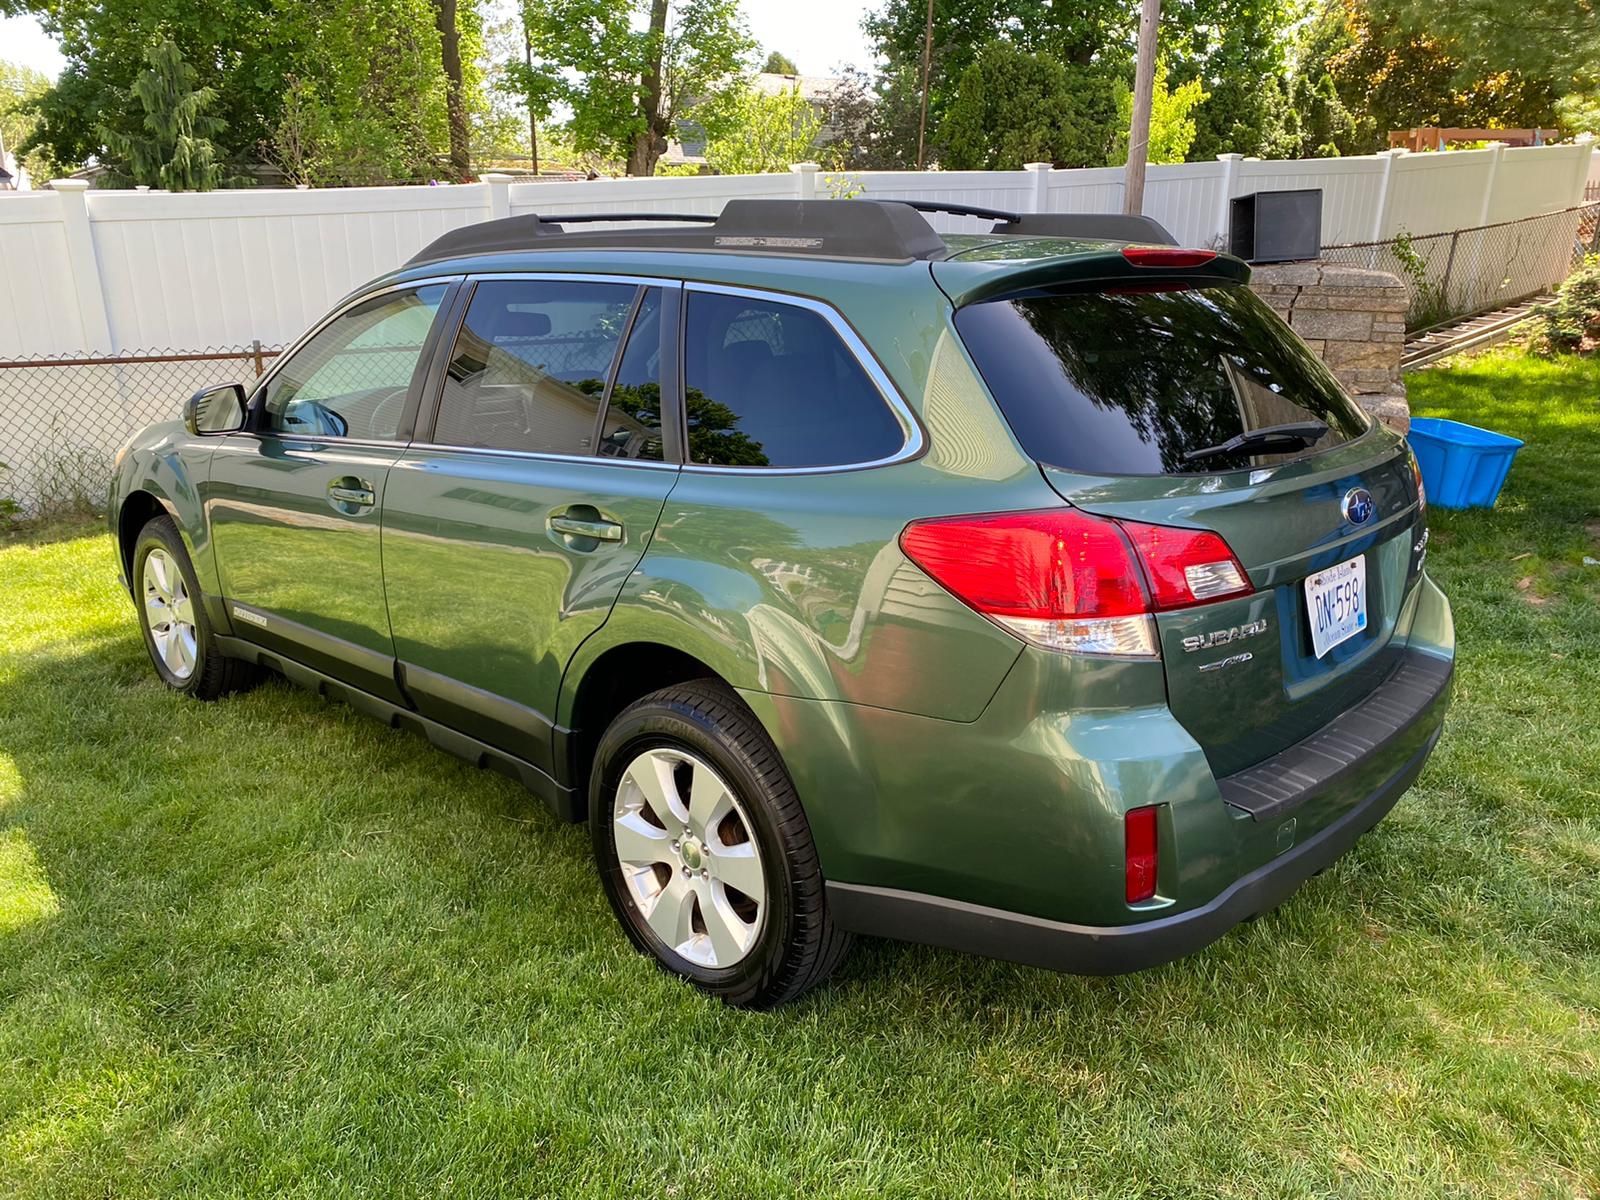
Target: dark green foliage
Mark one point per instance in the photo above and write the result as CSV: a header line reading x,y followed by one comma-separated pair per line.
x,y
1013,107
780,64
1572,319
173,148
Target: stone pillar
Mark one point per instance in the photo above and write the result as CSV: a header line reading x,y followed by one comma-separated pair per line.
x,y
1355,320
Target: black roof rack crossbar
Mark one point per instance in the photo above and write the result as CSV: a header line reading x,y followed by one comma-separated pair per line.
x,y
960,210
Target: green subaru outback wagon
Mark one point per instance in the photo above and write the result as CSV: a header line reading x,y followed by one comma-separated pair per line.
x,y
1033,592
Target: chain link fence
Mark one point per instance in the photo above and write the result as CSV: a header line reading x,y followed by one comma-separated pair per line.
x,y
62,419
1470,271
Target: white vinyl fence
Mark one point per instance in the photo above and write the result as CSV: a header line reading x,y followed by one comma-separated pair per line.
x,y
92,272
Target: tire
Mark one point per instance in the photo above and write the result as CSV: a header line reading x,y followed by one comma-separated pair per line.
x,y
172,618
699,743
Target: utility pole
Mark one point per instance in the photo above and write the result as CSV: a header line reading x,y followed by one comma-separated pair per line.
x,y
927,63
1144,82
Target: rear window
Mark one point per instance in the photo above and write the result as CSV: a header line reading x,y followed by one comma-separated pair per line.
x,y
1135,382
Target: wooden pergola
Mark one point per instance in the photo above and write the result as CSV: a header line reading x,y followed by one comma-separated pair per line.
x,y
1432,137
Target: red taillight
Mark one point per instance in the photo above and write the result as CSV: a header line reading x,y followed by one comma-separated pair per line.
x,y
1187,566
1067,580
1139,829
1166,256
1416,473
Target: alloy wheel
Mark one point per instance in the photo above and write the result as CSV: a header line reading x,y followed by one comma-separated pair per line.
x,y
169,612
689,858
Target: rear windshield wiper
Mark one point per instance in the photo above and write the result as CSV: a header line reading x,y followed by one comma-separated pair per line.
x,y
1296,435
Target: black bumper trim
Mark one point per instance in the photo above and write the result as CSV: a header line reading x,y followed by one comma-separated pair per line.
x,y
1112,950
1276,786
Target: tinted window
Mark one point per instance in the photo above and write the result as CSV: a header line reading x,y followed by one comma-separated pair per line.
x,y
1131,383
352,378
530,364
771,384
632,424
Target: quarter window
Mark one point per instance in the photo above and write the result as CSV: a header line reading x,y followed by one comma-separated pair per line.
x,y
530,364
353,377
770,384
632,424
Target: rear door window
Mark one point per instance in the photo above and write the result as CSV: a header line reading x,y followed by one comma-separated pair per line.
x,y
530,363
769,384
1136,382
631,427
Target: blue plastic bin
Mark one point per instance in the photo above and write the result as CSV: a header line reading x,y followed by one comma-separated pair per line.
x,y
1462,466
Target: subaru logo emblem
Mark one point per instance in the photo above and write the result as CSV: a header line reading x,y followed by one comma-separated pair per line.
x,y
1358,506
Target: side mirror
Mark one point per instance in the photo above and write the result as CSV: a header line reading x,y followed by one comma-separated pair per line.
x,y
215,410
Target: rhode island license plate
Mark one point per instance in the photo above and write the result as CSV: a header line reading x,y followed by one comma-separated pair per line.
x,y
1336,601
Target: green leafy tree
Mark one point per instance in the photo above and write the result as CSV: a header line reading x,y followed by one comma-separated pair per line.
x,y
1387,77
1239,51
1552,40
1172,122
173,149
779,64
1013,106
764,133
20,89
1091,39
363,80
633,70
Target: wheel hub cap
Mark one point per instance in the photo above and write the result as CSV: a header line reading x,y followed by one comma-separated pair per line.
x,y
689,858
169,613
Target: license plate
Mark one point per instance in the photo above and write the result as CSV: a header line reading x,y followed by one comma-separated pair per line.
x,y
1336,601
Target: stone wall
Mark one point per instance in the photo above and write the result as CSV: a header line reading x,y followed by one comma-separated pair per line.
x,y
1353,318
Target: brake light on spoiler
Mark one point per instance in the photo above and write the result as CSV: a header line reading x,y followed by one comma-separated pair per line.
x,y
1166,256
1069,581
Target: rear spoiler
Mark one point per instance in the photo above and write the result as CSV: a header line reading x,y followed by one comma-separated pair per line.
x,y
1106,227
971,281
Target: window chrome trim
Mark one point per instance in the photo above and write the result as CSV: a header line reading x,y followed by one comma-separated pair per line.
x,y
911,429
338,311
546,456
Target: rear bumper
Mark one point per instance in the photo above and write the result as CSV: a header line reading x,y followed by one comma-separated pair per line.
x,y
1112,950
1378,747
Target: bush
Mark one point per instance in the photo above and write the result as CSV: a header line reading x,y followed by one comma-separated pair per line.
x,y
1571,322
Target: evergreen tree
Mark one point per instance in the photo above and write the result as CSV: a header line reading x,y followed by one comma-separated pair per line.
x,y
174,149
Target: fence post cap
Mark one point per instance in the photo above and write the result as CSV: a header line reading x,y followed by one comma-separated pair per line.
x,y
1230,157
495,177
802,167
69,185
1585,138
1038,166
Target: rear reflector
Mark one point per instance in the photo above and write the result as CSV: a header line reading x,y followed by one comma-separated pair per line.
x,y
1067,580
1139,828
1166,256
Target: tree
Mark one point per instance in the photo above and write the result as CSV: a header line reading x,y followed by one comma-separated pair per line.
x,y
20,89
1239,51
1385,77
779,64
446,21
632,70
369,84
174,148
1092,39
1172,123
1012,107
1550,40
765,133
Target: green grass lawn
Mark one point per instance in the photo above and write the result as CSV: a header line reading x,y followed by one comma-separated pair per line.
x,y
269,946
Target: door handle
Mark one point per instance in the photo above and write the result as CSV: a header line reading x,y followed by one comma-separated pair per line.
x,y
601,530
361,495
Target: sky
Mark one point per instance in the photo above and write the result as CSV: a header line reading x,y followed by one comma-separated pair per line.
x,y
818,35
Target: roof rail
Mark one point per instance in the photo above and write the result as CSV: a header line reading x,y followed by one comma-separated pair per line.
x,y
865,229
878,230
